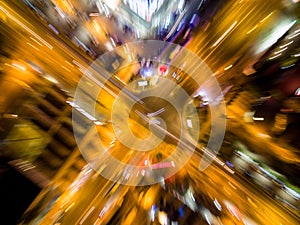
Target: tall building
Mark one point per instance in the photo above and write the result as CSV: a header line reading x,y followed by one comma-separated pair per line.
x,y
147,17
146,9
37,135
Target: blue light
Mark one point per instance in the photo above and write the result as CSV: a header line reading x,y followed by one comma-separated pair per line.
x,y
146,72
181,212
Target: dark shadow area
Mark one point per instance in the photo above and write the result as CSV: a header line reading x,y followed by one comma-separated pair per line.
x,y
16,194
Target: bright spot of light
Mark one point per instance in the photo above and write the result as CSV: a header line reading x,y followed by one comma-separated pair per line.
x,y
225,33
296,31
98,123
228,67
289,66
96,26
106,11
138,34
295,35
207,216
280,50
296,55
252,29
297,92
264,19
51,79
53,28
60,12
113,4
69,207
162,218
274,35
228,169
217,204
143,83
103,211
113,41
264,135
231,185
283,46
192,196
153,212
181,4
258,118
225,189
10,116
189,123
65,68
100,6
275,56
19,66
36,41
232,209
109,46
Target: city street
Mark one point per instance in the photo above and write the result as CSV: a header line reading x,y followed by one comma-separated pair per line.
x,y
93,199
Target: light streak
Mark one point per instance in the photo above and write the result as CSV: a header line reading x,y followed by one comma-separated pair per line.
x,y
32,46
225,33
26,28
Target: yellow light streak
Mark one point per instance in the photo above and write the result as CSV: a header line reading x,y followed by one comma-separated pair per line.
x,y
26,28
225,33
